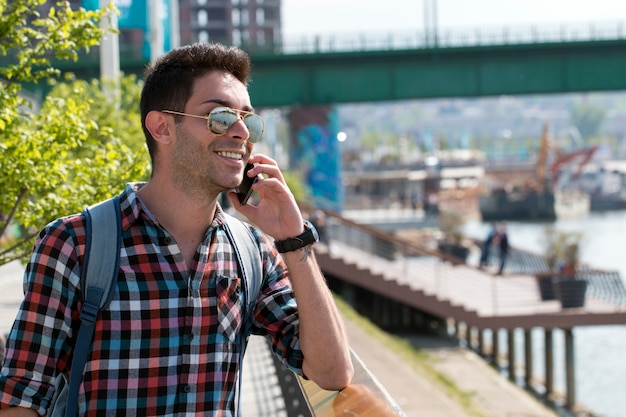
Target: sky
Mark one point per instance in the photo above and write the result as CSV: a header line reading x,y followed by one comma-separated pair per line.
x,y
307,17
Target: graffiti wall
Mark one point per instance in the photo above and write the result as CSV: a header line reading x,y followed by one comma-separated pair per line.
x,y
316,154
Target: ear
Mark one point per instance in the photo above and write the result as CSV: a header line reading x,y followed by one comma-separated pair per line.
x,y
160,126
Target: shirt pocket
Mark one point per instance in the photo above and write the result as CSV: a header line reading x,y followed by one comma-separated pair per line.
x,y
229,306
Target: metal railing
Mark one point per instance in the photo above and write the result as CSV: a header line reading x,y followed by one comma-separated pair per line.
x,y
409,257
604,285
443,38
405,40
303,398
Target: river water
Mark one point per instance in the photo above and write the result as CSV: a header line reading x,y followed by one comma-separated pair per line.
x,y
600,351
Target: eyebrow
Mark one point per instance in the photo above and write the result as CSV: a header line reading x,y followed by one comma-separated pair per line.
x,y
226,103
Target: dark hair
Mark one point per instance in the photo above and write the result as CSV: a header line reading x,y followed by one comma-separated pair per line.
x,y
169,80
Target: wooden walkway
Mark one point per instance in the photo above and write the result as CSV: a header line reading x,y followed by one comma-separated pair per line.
x,y
477,297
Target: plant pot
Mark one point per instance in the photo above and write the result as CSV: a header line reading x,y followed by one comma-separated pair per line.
x,y
458,251
570,291
546,289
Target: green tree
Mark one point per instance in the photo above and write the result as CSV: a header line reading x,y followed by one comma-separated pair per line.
x,y
59,158
118,118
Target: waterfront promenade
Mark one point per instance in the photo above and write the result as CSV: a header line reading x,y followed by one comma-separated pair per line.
x,y
416,393
395,281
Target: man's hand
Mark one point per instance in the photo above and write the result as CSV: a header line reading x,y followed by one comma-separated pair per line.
x,y
277,213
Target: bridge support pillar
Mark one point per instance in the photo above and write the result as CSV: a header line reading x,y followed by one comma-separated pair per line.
x,y
316,154
481,342
511,353
528,358
469,336
495,347
459,332
570,382
549,362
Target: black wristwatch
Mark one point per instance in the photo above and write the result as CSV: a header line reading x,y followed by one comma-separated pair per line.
x,y
308,237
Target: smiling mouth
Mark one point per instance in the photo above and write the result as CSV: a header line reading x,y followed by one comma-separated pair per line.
x,y
231,155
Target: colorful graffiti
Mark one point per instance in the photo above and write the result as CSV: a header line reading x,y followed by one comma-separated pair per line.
x,y
316,154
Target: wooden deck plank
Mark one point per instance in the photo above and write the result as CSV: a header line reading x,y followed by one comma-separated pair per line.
x,y
509,300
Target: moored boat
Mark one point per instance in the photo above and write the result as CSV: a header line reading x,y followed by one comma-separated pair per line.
x,y
528,204
548,195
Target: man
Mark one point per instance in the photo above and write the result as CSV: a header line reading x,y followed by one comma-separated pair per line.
x,y
167,345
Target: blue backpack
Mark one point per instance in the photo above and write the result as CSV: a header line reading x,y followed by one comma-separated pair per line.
x,y
99,277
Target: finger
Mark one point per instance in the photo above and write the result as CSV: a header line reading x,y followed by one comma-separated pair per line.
x,y
260,158
265,172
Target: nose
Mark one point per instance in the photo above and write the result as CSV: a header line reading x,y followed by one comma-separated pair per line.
x,y
239,130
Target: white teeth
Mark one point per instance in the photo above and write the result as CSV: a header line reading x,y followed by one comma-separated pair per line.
x,y
232,155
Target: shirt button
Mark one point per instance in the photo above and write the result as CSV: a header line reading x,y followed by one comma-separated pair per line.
x,y
187,388
167,240
190,337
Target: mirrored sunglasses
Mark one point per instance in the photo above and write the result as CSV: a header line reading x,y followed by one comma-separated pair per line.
x,y
221,119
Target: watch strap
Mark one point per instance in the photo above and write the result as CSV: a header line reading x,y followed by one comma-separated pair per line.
x,y
308,237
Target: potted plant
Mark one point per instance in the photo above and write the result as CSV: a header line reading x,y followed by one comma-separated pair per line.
x,y
554,244
453,242
563,258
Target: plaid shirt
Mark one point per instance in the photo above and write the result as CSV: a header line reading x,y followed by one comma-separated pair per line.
x,y
168,344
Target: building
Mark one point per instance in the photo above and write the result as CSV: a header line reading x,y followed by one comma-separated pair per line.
x,y
236,22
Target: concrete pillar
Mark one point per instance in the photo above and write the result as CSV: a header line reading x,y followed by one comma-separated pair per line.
x,y
528,358
511,354
495,349
110,54
570,380
549,362
457,330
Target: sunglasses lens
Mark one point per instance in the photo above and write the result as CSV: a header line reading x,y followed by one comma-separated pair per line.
x,y
221,119
255,127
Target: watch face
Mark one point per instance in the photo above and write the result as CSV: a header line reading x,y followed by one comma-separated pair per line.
x,y
316,235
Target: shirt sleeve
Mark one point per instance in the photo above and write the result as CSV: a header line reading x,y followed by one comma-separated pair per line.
x,y
276,311
39,346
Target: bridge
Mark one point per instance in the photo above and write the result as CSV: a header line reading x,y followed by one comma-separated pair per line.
x,y
332,69
312,74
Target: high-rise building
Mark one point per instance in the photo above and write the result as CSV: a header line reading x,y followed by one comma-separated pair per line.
x,y
237,22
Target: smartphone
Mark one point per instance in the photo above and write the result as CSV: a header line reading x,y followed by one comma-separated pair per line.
x,y
244,191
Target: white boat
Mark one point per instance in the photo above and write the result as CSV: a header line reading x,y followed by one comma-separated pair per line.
x,y
571,204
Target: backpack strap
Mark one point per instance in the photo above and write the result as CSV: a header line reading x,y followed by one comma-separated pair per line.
x,y
249,259
98,278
